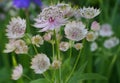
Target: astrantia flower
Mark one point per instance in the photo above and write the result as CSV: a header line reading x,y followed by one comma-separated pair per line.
x,y
10,47
91,36
89,12
64,46
95,26
16,28
75,31
40,63
93,46
112,42
17,72
66,8
25,3
21,47
47,37
37,40
50,18
78,46
56,64
106,30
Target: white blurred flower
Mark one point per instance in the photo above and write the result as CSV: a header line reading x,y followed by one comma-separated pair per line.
x,y
106,30
56,64
17,72
64,46
77,15
10,47
89,12
16,28
40,63
91,36
50,18
112,42
93,46
75,31
21,47
78,46
95,26
37,40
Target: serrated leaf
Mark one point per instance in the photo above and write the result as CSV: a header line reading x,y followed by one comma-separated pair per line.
x,y
42,80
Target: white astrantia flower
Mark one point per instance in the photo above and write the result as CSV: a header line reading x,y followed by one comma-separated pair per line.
x,y
66,8
40,63
16,28
50,18
91,36
106,30
17,72
78,46
10,47
64,46
37,40
75,31
56,64
112,42
89,12
93,46
95,26
21,47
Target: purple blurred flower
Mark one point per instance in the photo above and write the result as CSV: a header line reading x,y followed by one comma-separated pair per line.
x,y
25,3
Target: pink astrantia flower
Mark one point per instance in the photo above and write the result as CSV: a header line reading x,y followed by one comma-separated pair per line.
x,y
50,18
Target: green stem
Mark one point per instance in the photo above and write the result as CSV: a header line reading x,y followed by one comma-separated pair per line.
x,y
77,60
27,77
58,53
71,44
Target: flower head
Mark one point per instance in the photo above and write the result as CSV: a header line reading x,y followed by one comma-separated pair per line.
x,y
40,63
10,47
75,31
93,46
89,12
95,26
56,64
91,36
17,72
64,46
37,40
16,28
50,18
66,8
78,46
112,42
106,30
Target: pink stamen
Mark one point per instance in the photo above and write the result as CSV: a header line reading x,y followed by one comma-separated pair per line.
x,y
51,20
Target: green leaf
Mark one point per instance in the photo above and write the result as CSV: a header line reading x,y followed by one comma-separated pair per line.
x,y
86,76
42,80
82,68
